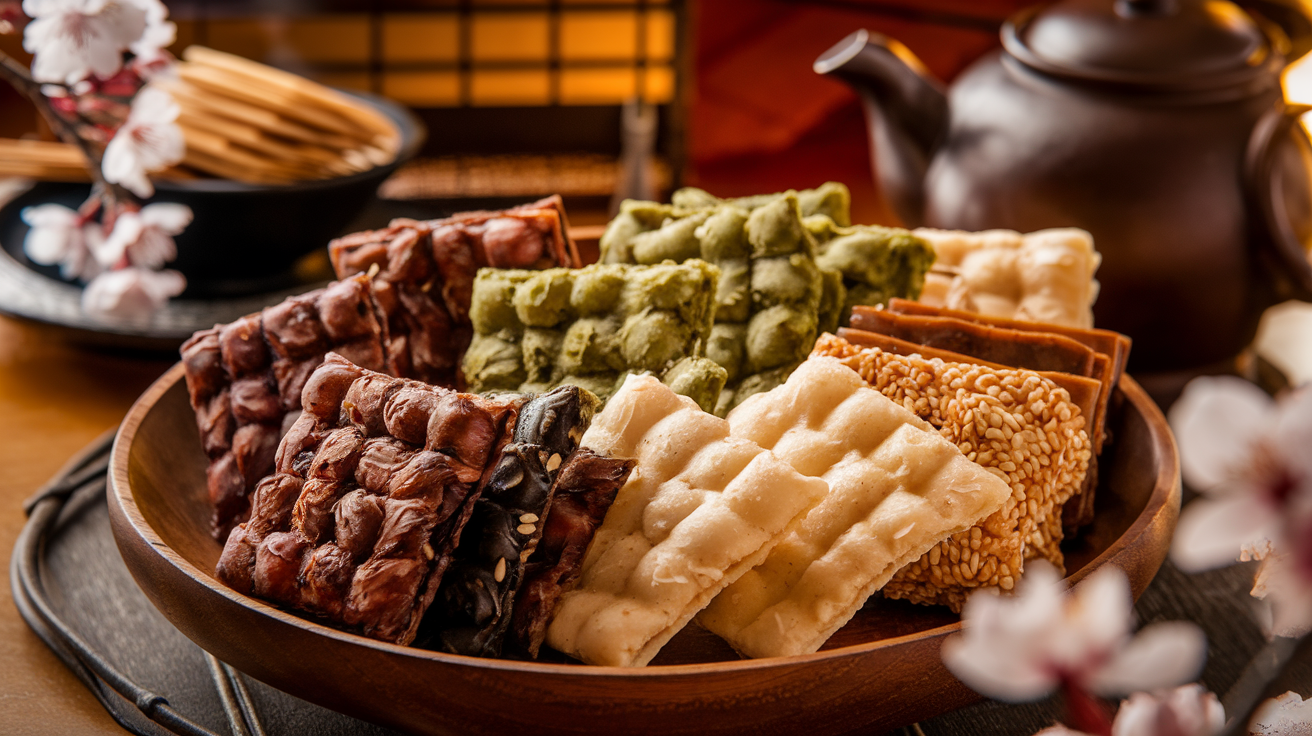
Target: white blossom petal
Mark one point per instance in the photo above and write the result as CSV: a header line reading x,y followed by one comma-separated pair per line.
x,y
167,217
94,237
128,227
988,671
148,141
1291,433
1002,651
1212,532
159,33
1161,655
1189,710
1097,620
53,226
121,165
1215,421
1287,715
154,105
145,238
1060,730
56,238
74,39
131,292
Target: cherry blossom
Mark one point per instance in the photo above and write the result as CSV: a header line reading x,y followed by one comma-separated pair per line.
x,y
144,238
148,141
59,237
74,39
1287,715
1188,710
132,292
1248,456
1022,647
159,33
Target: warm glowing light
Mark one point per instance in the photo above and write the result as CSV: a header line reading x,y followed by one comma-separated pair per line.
x,y
1297,82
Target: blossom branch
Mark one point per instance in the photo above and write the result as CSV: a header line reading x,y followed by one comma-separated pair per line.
x,y
16,75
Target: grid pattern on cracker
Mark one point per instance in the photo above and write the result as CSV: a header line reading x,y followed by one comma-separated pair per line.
x,y
771,301
700,509
1013,422
373,484
538,329
896,488
876,263
244,381
1043,276
426,273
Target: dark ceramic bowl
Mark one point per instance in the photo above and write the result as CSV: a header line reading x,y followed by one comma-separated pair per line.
x,y
244,236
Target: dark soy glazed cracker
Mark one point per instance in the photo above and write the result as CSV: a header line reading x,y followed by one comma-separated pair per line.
x,y
426,275
245,378
473,609
404,312
373,485
583,493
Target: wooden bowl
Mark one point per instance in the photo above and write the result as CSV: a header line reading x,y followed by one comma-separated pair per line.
x,y
879,672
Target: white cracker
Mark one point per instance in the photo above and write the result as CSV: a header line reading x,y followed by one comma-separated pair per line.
x,y
896,488
700,509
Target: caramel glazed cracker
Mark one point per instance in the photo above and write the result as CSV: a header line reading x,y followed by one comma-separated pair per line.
x,y
1015,423
375,484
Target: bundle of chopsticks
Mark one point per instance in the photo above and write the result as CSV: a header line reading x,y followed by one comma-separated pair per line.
x,y
44,160
244,121
250,122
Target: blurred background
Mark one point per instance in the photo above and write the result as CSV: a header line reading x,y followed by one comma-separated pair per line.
x,y
524,98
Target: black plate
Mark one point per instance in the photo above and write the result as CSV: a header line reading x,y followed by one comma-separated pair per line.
x,y
37,293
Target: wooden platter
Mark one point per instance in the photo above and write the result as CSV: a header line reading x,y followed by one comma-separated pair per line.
x,y
879,672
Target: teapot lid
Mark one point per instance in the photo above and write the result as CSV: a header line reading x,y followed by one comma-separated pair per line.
x,y
1189,43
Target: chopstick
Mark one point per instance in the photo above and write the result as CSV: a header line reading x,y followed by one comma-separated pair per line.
x,y
45,160
244,121
250,122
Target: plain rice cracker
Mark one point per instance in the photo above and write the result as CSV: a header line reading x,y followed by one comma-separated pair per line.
x,y
896,488
700,509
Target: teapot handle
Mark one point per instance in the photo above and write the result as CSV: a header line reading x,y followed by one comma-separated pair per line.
x,y
1278,185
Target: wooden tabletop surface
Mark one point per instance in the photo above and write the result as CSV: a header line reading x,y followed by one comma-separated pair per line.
x,y
55,397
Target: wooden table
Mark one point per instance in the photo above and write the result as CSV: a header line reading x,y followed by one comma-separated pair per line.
x,y
55,397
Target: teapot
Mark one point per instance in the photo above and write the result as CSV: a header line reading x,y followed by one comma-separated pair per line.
x,y
1157,125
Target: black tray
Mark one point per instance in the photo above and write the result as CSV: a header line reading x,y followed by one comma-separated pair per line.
x,y
72,588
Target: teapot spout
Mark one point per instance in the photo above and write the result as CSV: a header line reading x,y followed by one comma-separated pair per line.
x,y
906,111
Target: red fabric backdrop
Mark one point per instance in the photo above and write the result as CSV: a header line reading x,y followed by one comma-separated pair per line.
x,y
761,120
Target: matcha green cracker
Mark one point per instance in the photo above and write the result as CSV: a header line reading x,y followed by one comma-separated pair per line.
x,y
535,330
